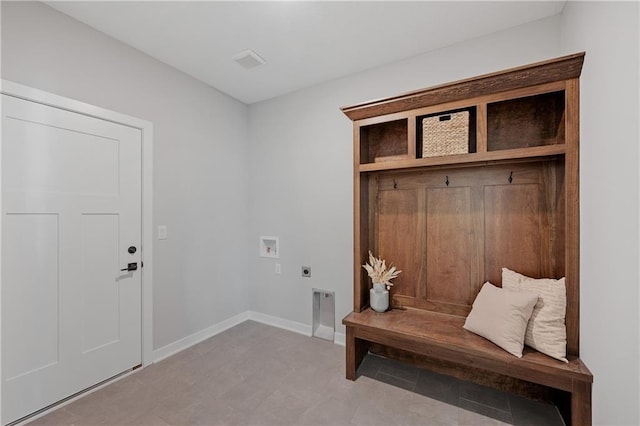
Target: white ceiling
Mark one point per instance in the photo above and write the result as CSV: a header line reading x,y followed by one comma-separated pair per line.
x,y
304,43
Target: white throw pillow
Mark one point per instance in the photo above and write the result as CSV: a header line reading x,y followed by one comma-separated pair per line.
x,y
546,331
501,316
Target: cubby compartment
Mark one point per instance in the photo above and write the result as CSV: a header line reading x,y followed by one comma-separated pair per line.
x,y
526,122
385,141
446,133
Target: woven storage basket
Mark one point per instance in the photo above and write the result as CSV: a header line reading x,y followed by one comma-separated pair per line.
x,y
445,134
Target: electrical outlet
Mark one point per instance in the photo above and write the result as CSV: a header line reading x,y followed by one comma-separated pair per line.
x,y
306,271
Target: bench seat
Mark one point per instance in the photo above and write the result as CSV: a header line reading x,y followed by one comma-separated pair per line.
x,y
441,336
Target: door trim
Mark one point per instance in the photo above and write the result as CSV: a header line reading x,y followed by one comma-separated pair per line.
x,y
146,127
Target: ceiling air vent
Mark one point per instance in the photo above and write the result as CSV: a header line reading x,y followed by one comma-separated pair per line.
x,y
248,59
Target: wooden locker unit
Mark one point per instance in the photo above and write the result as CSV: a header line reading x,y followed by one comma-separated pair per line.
x,y
451,222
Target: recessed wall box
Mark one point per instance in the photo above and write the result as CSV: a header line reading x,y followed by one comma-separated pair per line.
x,y
269,247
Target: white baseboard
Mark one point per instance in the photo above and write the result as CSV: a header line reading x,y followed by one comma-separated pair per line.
x,y
289,325
186,342
296,327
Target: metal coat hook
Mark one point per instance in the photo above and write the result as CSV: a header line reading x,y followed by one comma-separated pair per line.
x,y
395,184
447,181
511,177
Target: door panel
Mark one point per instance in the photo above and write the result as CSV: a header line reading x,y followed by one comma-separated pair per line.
x,y
33,261
71,206
100,288
43,149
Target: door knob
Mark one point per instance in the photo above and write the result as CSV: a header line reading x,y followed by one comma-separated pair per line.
x,y
131,267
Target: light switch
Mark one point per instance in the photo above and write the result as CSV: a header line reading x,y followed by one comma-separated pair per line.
x,y
278,268
162,232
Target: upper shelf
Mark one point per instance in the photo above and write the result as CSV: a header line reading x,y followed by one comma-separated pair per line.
x,y
510,129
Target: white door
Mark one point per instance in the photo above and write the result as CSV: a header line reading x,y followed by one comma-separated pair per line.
x,y
71,210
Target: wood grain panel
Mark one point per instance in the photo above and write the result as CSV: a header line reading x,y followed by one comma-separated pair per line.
x,y
481,129
361,226
401,237
450,248
512,230
572,218
554,209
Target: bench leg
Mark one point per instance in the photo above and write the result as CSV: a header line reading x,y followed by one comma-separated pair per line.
x,y
581,404
356,350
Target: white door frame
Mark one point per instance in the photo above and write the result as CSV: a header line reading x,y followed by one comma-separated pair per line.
x,y
146,127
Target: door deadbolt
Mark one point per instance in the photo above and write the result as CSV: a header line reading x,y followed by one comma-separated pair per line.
x,y
132,249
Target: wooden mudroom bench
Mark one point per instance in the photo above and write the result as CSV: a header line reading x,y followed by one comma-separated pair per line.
x,y
441,337
451,184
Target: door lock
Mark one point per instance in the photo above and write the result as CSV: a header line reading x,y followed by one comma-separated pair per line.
x,y
131,267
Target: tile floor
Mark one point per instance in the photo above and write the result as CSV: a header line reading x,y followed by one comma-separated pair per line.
x,y
253,374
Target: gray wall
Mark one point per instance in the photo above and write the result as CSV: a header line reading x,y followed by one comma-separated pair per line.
x,y
220,183
301,173
301,164
609,334
200,156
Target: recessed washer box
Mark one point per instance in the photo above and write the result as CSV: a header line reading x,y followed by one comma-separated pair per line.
x,y
269,247
324,314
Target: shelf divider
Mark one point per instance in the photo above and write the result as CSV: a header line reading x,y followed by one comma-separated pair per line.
x,y
481,128
411,139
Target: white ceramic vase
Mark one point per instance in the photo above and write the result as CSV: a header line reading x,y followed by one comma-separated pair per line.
x,y
379,297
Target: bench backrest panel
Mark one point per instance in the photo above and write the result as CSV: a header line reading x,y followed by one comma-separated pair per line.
x,y
449,239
